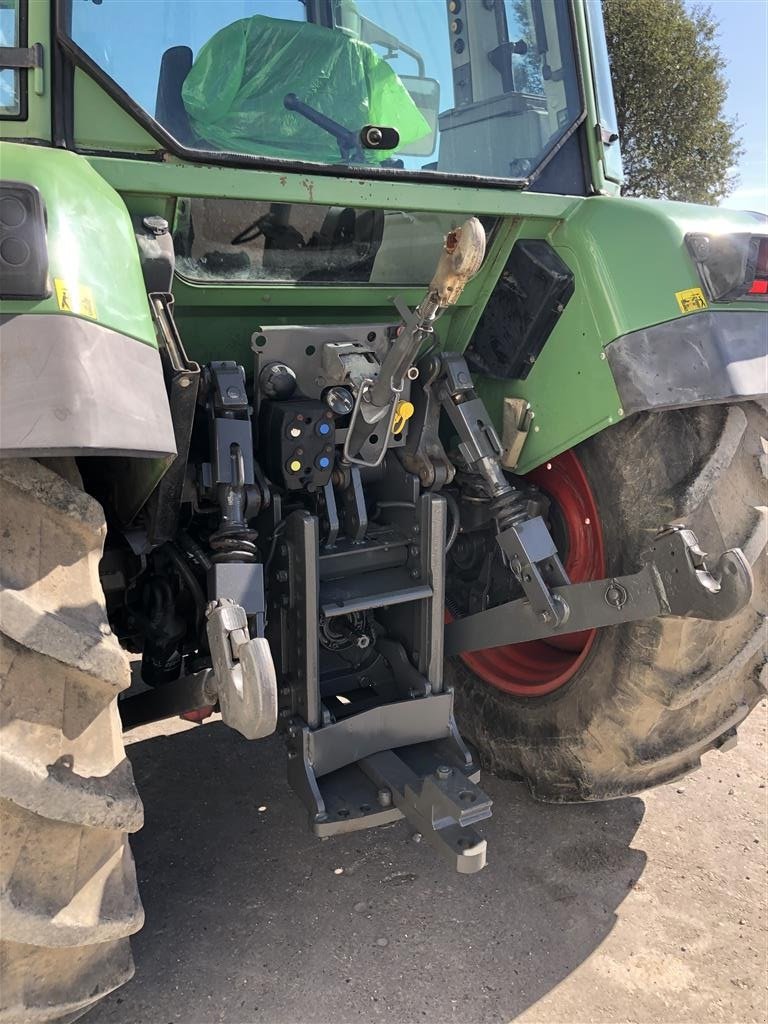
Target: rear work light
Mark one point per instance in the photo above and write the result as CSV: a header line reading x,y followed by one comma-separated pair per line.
x,y
731,266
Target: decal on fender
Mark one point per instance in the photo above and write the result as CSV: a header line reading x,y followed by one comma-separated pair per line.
x,y
691,300
75,298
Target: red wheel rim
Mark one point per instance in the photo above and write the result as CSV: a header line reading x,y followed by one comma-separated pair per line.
x,y
542,666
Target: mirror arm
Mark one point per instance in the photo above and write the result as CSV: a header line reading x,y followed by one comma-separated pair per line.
x,y
374,34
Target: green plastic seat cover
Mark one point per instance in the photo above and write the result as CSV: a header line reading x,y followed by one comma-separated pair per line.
x,y
235,90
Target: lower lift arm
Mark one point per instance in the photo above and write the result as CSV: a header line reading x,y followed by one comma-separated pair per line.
x,y
674,578
673,581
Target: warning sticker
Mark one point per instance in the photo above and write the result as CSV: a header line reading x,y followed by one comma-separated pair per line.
x,y
691,300
75,298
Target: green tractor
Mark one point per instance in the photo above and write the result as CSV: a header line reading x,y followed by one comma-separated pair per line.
x,y
343,396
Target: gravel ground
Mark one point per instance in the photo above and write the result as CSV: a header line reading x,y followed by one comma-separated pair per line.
x,y
647,909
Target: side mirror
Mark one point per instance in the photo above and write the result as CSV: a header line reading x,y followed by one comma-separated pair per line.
x,y
425,93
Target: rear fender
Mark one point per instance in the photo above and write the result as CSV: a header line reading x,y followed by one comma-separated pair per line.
x,y
639,332
80,371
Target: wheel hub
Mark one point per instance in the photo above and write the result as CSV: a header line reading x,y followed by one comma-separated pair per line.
x,y
542,666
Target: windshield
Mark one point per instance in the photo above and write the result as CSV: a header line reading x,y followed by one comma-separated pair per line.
x,y
481,87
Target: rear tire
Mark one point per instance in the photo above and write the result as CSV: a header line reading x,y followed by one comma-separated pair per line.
x,y
68,894
651,697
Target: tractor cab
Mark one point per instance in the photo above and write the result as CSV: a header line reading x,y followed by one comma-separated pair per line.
x,y
459,94
431,90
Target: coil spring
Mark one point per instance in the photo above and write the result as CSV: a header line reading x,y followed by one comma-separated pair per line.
x,y
234,544
510,509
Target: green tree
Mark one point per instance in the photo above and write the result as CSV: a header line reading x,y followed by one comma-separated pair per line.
x,y
670,86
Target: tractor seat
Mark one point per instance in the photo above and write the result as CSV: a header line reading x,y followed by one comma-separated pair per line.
x,y
170,111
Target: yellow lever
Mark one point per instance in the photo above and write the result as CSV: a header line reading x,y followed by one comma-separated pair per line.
x,y
403,413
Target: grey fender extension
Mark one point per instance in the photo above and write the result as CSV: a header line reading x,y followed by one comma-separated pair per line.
x,y
703,359
69,386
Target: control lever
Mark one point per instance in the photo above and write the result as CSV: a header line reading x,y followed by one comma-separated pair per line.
x,y
347,141
376,403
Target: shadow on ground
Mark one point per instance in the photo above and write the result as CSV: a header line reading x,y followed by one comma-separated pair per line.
x,y
247,921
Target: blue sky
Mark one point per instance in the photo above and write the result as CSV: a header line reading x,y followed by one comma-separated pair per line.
x,y
743,41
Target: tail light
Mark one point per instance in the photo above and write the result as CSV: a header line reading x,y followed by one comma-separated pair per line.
x,y
23,243
760,283
731,266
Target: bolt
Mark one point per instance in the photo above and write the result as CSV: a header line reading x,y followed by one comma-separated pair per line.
x,y
373,136
414,574
184,382
384,796
545,616
233,392
417,837
281,576
413,550
444,772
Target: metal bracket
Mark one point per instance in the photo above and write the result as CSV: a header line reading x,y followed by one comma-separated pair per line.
x,y
674,580
20,58
368,422
229,422
423,453
534,560
246,683
443,807
517,418
349,778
